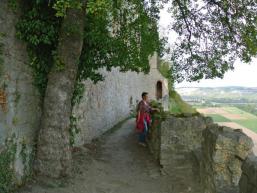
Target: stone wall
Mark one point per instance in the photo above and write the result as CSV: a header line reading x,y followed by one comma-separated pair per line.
x,y
248,181
179,139
19,102
201,156
106,103
223,153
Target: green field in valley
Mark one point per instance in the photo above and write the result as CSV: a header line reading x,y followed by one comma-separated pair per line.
x,y
218,118
250,124
231,115
237,111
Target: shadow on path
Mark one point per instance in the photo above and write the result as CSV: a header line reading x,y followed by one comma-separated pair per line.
x,y
114,164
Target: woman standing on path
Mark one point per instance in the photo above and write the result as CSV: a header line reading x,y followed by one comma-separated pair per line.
x,y
143,119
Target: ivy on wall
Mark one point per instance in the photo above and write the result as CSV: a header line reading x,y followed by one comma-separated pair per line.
x,y
27,154
8,181
38,27
7,157
117,34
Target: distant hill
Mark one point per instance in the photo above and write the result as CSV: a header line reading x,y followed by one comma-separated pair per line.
x,y
219,94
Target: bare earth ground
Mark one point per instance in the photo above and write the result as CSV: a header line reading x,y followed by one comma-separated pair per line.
x,y
116,164
220,111
211,110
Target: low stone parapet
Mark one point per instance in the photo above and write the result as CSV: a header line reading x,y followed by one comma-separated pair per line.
x,y
179,138
223,153
174,142
196,152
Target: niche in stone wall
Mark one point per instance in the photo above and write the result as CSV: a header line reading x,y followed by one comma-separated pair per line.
x,y
131,101
159,90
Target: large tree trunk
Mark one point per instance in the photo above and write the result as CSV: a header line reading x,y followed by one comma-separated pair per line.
x,y
54,151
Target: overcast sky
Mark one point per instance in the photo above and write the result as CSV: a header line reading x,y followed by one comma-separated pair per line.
x,y
243,74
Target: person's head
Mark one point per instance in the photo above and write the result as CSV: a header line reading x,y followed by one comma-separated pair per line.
x,y
145,96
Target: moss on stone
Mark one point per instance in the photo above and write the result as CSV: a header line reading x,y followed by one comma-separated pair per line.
x,y
27,157
178,106
74,130
15,120
13,4
7,157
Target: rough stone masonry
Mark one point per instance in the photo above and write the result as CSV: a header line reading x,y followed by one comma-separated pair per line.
x,y
223,152
203,157
248,181
20,110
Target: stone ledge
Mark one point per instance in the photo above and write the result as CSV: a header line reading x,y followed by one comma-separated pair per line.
x,y
204,154
223,153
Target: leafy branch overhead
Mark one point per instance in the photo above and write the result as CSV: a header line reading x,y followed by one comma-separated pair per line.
x,y
117,34
212,35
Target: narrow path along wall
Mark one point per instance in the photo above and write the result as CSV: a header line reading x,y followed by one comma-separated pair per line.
x,y
106,103
19,103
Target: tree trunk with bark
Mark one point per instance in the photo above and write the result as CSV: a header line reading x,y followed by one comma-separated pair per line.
x,y
53,150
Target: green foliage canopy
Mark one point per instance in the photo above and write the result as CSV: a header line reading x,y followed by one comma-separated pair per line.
x,y
212,35
38,27
117,34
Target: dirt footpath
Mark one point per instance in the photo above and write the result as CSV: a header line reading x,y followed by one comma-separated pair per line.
x,y
115,164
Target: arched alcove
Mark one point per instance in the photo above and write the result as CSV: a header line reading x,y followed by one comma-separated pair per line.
x,y
159,90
